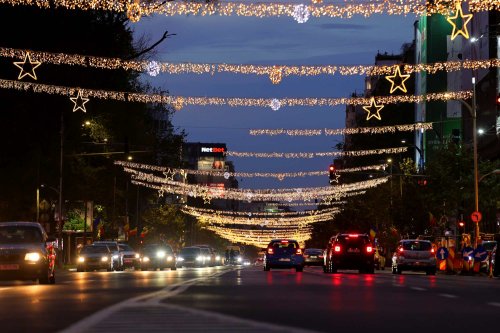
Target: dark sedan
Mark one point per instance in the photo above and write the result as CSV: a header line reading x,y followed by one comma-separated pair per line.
x,y
313,257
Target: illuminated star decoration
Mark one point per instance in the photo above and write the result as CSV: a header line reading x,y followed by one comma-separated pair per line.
x,y
336,180
169,174
398,77
79,102
453,20
369,108
32,64
160,193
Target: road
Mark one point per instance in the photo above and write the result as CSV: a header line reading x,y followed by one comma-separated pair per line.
x,y
227,299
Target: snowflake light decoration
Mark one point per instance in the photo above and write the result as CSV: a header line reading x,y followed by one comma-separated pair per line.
x,y
275,104
153,68
226,175
301,13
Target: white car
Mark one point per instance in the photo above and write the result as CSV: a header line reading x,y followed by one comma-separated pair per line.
x,y
414,255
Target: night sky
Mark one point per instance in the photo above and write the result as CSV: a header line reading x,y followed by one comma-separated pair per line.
x,y
270,41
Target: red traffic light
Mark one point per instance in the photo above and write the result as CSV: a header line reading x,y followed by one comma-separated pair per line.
x,y
461,224
332,168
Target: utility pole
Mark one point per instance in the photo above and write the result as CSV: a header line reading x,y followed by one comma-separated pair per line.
x,y
474,139
59,209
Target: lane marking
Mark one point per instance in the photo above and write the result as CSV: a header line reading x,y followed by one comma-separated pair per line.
x,y
448,295
494,304
418,289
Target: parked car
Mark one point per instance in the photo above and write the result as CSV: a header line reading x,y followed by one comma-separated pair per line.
x,y
489,246
115,251
26,253
191,256
349,251
284,253
414,255
313,257
157,256
495,253
95,257
131,258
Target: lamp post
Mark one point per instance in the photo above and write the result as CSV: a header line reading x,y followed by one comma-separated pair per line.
x,y
420,153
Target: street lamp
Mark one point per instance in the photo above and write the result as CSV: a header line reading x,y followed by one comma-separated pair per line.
x,y
420,153
496,171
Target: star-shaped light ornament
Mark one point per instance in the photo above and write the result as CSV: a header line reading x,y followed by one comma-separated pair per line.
x,y
79,102
398,81
336,180
370,109
169,174
160,193
457,19
23,66
207,199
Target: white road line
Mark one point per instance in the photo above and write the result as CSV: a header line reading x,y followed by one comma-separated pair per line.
x,y
448,295
494,304
418,289
6,288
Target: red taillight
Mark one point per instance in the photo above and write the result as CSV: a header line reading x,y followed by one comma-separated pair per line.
x,y
369,249
432,250
320,256
352,235
336,248
270,250
433,253
299,251
400,250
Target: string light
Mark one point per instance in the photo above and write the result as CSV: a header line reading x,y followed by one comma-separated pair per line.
x,y
284,194
213,173
258,214
219,101
319,154
343,131
275,72
301,13
262,10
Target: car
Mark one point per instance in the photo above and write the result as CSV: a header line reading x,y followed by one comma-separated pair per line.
x,y
283,253
116,254
208,254
95,257
495,269
379,258
313,257
157,256
233,255
131,258
191,256
414,255
26,253
215,258
349,251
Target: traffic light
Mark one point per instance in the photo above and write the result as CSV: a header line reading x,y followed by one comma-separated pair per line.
x,y
461,224
331,170
422,182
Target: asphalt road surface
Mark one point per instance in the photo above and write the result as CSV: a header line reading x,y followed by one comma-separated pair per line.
x,y
235,299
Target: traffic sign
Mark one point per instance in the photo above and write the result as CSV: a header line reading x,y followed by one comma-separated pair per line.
x,y
442,253
468,253
480,253
476,217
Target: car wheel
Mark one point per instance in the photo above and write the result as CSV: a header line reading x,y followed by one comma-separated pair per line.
x,y
80,269
399,270
267,269
299,269
44,279
431,271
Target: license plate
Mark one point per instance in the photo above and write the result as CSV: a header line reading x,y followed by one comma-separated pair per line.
x,y
11,267
127,261
314,257
355,250
284,259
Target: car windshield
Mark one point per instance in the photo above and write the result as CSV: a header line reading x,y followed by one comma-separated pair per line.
x,y
20,234
94,249
190,250
313,251
154,248
284,244
353,239
112,246
125,247
416,246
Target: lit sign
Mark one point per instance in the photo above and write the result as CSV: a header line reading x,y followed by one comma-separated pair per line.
x,y
212,149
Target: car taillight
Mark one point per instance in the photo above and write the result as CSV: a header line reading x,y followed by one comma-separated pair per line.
x,y
336,248
400,250
270,250
299,251
320,256
433,253
369,249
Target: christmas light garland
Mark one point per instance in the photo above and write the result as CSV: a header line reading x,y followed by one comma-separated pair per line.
x,y
260,10
181,101
164,185
260,215
396,150
227,175
275,72
343,131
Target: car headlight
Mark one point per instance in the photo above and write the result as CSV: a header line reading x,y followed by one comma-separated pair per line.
x,y
160,254
170,258
180,259
137,256
81,259
199,258
104,258
145,259
115,256
32,256
239,259
217,258
207,258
